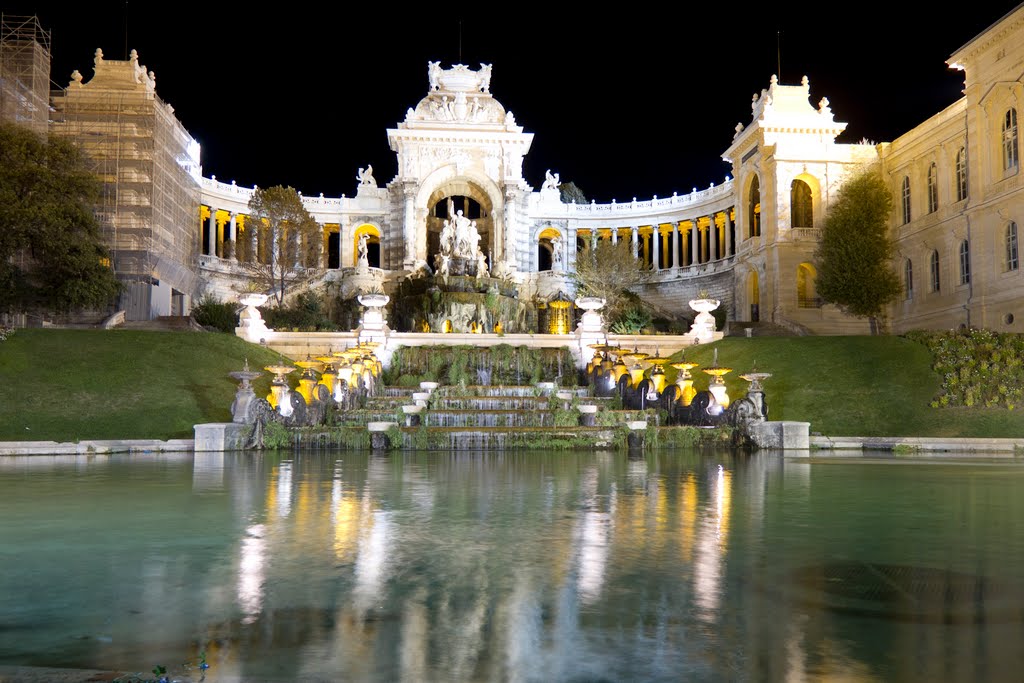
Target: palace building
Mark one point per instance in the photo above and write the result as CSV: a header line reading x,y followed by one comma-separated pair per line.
x,y
748,242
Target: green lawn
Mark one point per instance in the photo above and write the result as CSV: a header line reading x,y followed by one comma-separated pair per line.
x,y
851,386
68,385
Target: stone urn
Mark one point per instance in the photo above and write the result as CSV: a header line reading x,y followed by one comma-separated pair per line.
x,y
591,320
250,321
703,327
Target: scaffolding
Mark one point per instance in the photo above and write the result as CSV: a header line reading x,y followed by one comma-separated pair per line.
x,y
24,72
149,168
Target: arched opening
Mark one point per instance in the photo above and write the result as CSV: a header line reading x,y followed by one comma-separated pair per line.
x,y
806,291
754,209
754,296
548,242
372,245
459,199
801,205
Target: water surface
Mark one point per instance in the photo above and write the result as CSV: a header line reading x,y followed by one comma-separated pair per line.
x,y
540,566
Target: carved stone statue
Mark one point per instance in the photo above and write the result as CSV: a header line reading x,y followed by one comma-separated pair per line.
x,y
365,177
363,248
485,77
551,180
481,264
434,75
556,254
97,58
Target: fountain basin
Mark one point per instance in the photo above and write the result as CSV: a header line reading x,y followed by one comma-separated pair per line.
x,y
380,426
565,395
412,410
587,409
428,386
636,425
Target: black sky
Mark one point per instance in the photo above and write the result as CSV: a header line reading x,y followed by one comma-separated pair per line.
x,y
623,104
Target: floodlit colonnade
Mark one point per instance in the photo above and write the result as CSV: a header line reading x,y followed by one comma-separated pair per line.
x,y
672,233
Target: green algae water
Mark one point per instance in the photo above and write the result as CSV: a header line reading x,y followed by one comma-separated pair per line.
x,y
532,566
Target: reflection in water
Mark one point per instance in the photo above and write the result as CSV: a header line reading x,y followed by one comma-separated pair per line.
x,y
515,567
250,572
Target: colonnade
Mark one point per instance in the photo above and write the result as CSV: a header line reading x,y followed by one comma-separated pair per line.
x,y
670,246
223,234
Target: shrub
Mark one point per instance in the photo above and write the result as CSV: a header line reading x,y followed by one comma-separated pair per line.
x,y
214,314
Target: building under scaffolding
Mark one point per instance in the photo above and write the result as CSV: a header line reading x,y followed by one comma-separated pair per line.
x,y
150,170
24,72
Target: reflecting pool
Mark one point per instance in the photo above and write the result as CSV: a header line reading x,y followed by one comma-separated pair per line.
x,y
540,566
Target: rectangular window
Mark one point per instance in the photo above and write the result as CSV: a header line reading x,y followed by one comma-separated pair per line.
x,y
965,262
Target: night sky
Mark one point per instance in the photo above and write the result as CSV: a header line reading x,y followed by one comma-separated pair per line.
x,y
621,104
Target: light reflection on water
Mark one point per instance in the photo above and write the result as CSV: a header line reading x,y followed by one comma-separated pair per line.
x,y
514,567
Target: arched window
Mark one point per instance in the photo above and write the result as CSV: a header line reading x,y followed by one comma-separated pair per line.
x,y
935,271
801,209
1010,140
961,175
371,244
965,262
754,209
933,188
1011,246
806,294
905,199
908,279
549,250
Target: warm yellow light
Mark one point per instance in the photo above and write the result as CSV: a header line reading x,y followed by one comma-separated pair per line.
x,y
447,327
686,391
636,374
658,378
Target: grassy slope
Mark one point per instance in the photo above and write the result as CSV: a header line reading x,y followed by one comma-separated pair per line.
x,y
852,386
67,385
81,384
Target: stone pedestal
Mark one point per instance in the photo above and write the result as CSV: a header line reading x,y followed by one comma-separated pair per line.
x,y
780,435
221,436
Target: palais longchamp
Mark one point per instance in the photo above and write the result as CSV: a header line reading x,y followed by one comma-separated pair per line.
x,y
176,236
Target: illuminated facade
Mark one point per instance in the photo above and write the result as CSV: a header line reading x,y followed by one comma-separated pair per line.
x,y
748,242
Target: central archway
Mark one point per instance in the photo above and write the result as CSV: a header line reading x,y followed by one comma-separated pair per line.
x,y
459,194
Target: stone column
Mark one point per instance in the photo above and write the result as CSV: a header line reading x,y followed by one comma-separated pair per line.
x,y
712,239
728,234
409,228
655,248
634,236
233,235
675,247
211,237
342,231
508,231
615,235
694,244
254,240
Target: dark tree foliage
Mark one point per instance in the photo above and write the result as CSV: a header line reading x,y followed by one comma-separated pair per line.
x,y
290,241
571,194
854,255
51,254
608,271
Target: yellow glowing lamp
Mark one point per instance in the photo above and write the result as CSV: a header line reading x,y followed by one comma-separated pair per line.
x,y
636,373
658,378
356,368
619,369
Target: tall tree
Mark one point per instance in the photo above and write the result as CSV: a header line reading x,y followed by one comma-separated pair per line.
x,y
51,252
608,271
289,238
854,255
